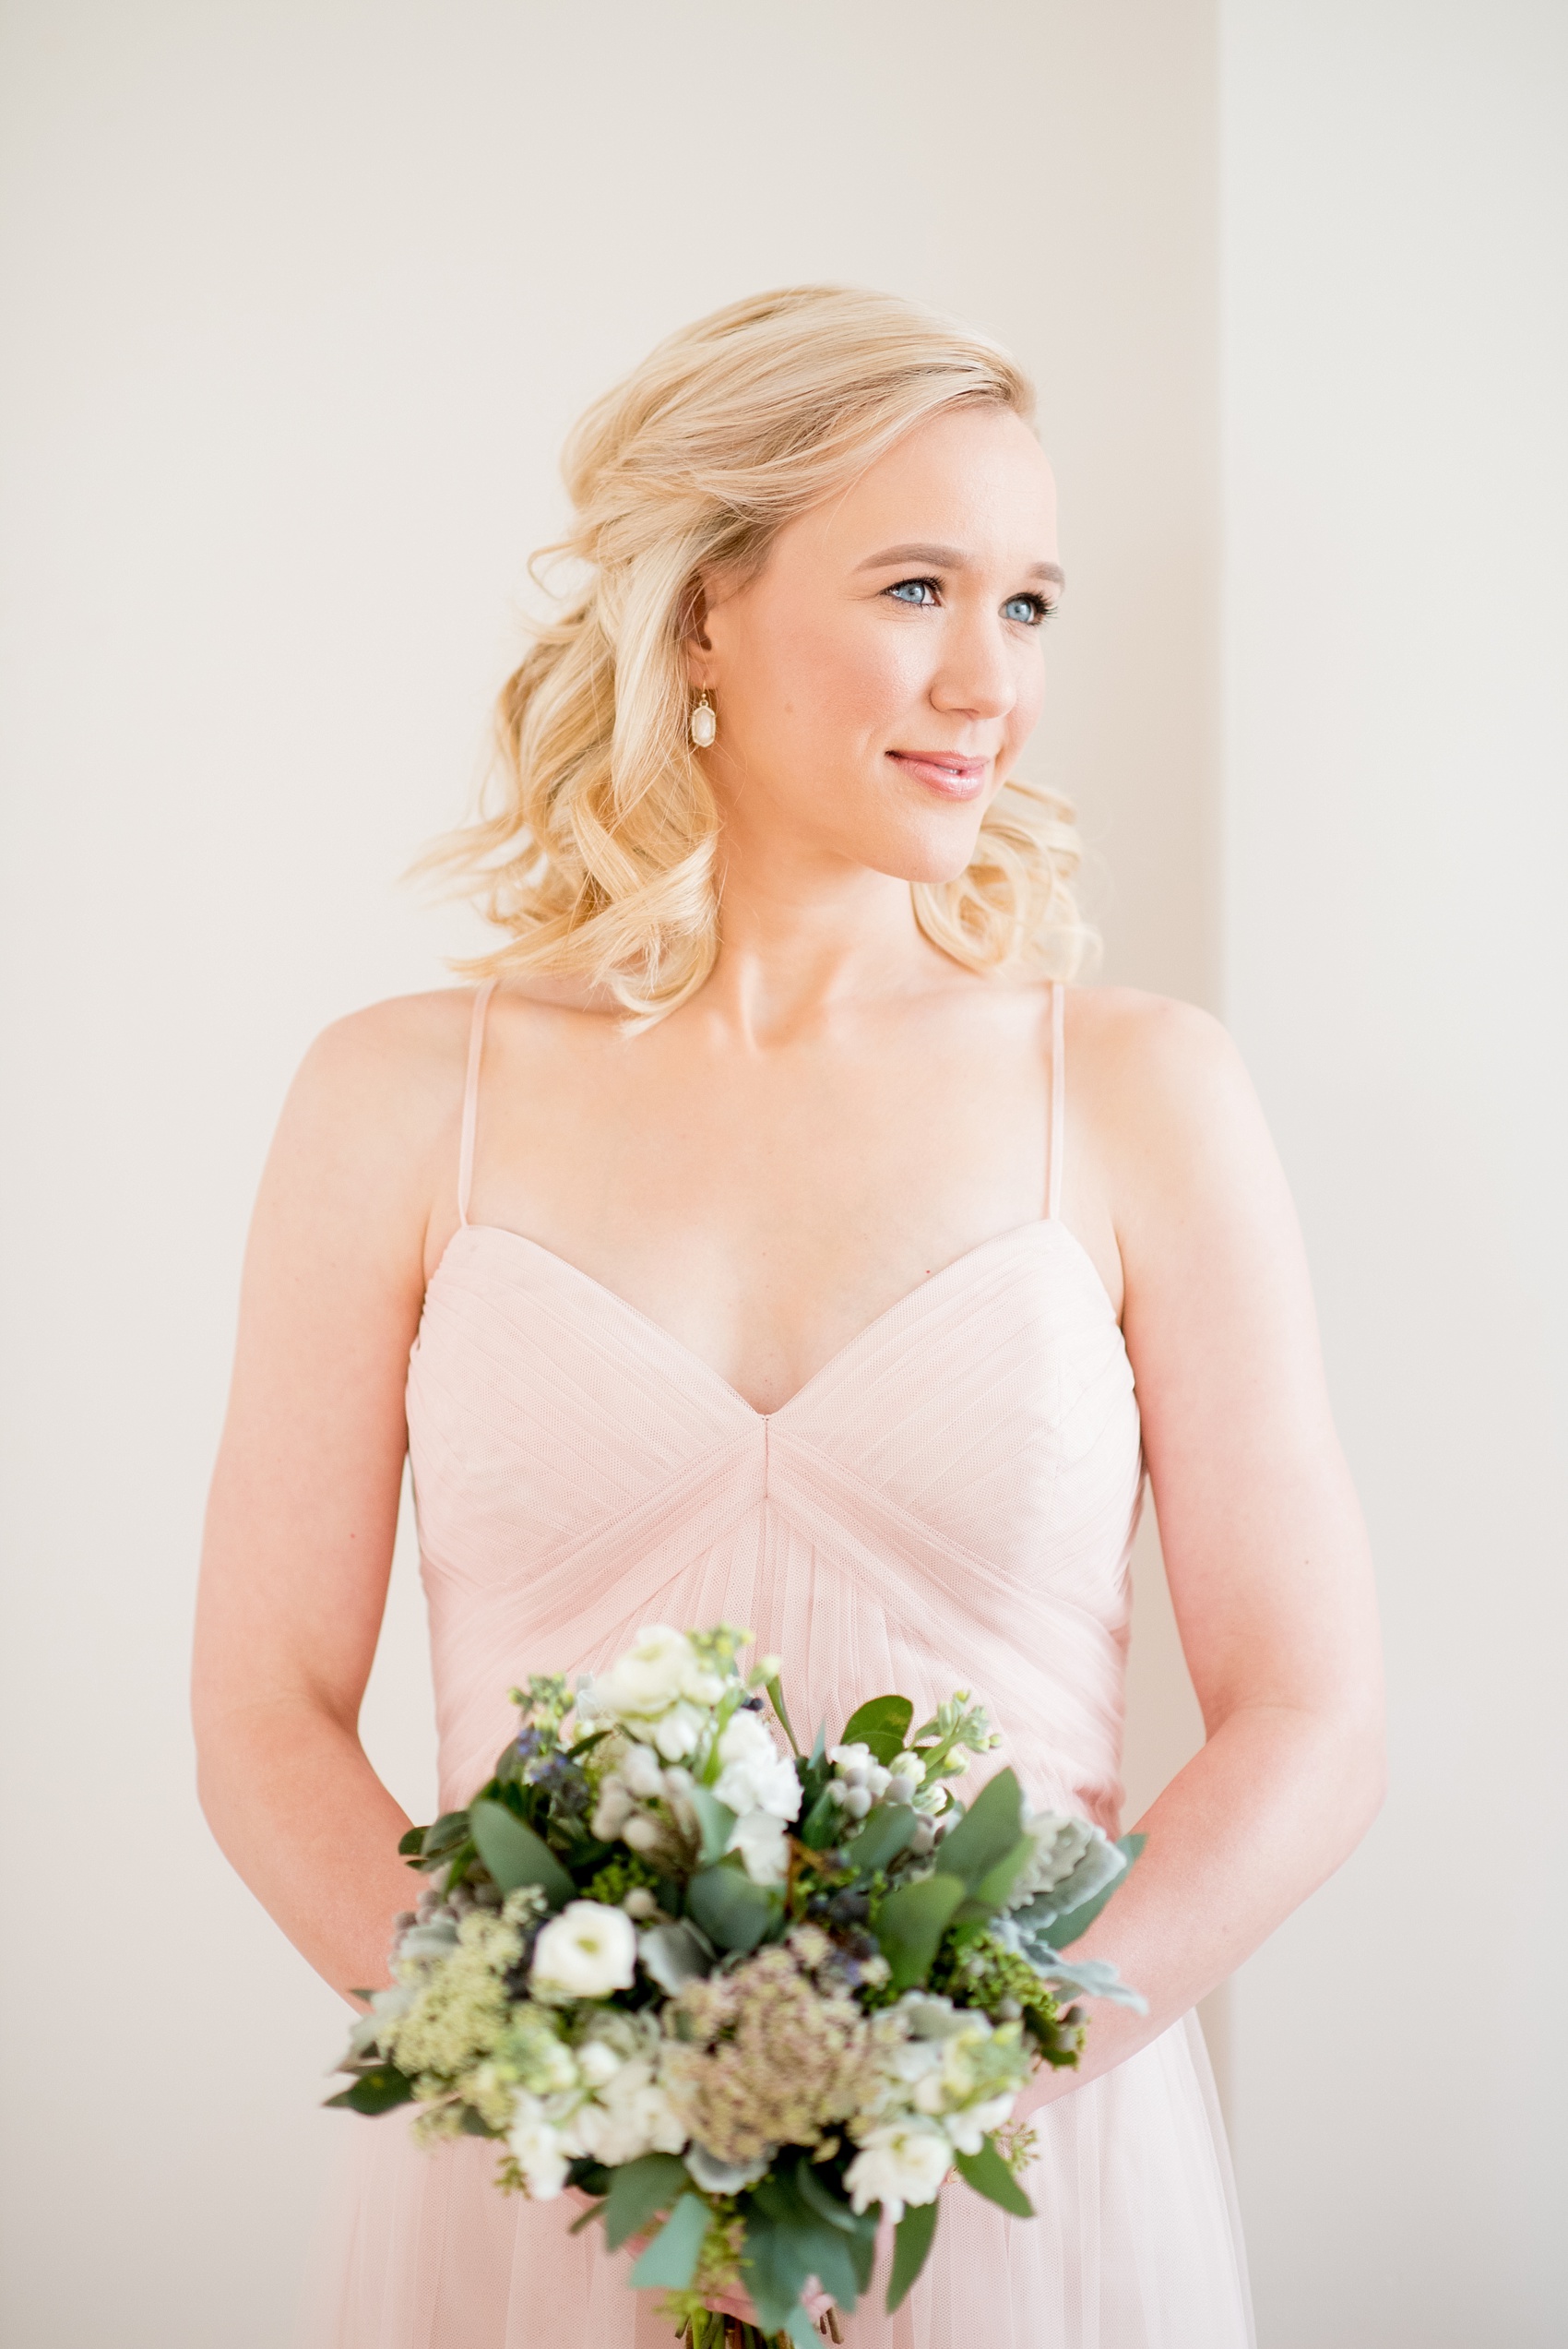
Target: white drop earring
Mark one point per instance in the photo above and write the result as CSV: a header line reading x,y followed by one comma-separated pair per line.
x,y
704,722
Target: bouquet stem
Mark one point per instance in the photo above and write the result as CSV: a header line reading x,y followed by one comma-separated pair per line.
x,y
713,2329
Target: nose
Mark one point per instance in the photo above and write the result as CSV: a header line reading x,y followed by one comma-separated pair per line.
x,y
977,676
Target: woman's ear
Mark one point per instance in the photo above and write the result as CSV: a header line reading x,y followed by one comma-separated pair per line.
x,y
695,637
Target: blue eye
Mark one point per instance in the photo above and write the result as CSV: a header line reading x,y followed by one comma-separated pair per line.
x,y
915,591
1028,610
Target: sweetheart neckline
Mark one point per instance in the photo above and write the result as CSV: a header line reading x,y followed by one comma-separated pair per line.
x,y
678,1346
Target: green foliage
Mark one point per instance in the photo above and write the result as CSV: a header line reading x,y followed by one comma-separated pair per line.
x,y
776,1698
887,1831
801,2243
717,1822
734,1913
912,2239
627,1872
637,2191
1064,1930
670,2262
822,1823
988,1834
909,1923
882,1724
377,2090
515,1854
990,2175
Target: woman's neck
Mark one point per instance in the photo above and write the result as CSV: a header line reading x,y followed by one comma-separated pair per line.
x,y
800,938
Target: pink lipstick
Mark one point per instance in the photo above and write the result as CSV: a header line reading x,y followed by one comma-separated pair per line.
x,y
944,771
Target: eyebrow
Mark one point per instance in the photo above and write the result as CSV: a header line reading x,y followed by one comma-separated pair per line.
x,y
948,558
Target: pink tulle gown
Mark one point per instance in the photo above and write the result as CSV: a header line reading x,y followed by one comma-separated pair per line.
x,y
948,1502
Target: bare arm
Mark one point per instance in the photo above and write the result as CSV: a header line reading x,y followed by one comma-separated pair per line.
x,y
303,1505
1265,1547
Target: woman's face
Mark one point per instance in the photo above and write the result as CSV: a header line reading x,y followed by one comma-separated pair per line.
x,y
875,681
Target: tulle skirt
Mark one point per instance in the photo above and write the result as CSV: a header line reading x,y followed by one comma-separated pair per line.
x,y
1134,2245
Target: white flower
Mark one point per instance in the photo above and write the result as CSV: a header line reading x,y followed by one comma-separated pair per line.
x,y
861,1772
764,1847
538,2151
599,2062
613,1808
586,1953
970,2128
726,2178
927,2015
638,1770
676,1733
904,2161
630,2116
755,1775
658,1668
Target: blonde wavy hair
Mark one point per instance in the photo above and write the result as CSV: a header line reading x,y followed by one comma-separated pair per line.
x,y
596,844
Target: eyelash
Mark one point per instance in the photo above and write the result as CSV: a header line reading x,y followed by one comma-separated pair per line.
x,y
1043,609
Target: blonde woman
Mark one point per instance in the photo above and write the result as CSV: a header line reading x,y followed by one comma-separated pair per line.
x,y
774,1235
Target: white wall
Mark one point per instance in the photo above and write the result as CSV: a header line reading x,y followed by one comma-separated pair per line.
x,y
300,300
1395,220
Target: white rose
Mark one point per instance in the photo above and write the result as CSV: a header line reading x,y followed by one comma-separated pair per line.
x,y
651,1674
904,2161
764,1847
676,1733
755,1775
538,2151
586,1953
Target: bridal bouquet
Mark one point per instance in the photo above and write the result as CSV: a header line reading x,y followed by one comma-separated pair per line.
x,y
750,2004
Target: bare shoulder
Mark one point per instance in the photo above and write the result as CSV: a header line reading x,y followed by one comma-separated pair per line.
x,y
1163,1102
369,1129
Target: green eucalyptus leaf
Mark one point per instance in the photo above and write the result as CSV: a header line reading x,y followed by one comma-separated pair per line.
x,y
818,2195
909,1924
639,2190
813,2244
717,1822
515,1854
671,2261
882,1724
774,2267
990,1893
888,1831
413,1844
912,2241
586,2218
734,1913
377,2090
987,1833
989,2175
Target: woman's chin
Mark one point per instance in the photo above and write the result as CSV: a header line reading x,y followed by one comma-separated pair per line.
x,y
934,852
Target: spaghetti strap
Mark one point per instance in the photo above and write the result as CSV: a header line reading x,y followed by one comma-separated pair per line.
x,y
470,1098
1058,1098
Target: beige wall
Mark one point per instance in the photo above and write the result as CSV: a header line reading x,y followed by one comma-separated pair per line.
x,y
1396,490
300,302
